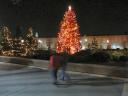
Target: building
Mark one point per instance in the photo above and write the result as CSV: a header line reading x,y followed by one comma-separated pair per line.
x,y
102,42
106,41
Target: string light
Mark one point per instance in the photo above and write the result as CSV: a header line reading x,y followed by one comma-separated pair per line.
x,y
68,38
24,47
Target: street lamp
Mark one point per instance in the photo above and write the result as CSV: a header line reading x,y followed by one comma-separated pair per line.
x,y
85,40
22,41
107,41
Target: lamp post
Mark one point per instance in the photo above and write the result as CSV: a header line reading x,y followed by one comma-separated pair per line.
x,y
108,44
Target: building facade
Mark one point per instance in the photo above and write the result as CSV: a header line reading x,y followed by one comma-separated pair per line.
x,y
101,42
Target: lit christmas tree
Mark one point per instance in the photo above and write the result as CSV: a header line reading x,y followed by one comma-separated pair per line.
x,y
68,39
6,42
30,42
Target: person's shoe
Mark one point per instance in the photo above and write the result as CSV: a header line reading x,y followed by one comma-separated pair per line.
x,y
54,83
62,78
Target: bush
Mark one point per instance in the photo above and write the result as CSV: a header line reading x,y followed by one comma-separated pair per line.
x,y
87,57
80,57
115,58
75,59
101,56
123,58
84,53
41,54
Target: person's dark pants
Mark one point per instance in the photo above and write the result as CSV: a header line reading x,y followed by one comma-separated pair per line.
x,y
62,73
54,74
64,76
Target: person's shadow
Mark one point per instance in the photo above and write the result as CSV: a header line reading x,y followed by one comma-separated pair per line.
x,y
91,81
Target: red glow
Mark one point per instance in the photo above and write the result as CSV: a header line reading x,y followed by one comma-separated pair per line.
x,y
68,38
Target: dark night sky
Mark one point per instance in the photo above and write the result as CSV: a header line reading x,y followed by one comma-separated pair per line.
x,y
94,16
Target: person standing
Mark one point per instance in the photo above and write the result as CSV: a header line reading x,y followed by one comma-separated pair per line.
x,y
54,66
63,65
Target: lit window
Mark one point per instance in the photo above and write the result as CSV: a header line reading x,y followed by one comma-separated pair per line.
x,y
115,46
39,41
83,47
107,41
85,40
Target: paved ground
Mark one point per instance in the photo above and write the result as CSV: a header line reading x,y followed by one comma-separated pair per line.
x,y
37,82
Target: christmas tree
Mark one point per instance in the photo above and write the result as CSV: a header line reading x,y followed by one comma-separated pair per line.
x,y
6,41
30,42
68,39
94,44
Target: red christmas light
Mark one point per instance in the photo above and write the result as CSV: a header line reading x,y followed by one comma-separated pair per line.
x,y
68,39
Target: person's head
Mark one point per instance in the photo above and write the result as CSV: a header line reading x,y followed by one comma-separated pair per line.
x,y
64,53
52,53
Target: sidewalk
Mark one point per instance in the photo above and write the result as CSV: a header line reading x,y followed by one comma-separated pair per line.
x,y
37,82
